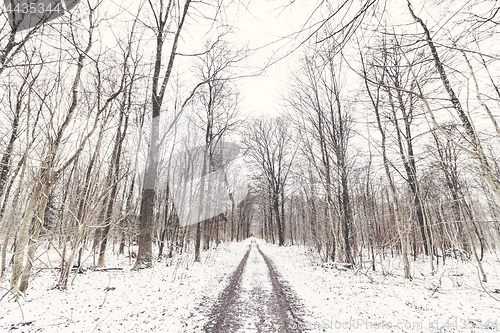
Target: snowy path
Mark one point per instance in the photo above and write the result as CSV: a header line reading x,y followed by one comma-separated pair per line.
x,y
235,289
255,300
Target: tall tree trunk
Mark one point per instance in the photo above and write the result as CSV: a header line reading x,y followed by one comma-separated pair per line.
x,y
408,159
126,219
375,100
144,254
113,178
477,151
15,203
277,217
6,158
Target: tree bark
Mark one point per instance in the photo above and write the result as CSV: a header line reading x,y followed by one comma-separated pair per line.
x,y
144,253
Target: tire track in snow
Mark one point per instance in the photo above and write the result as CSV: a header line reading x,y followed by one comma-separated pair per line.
x,y
256,299
288,302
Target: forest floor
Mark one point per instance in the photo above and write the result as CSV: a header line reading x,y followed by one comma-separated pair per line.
x,y
257,287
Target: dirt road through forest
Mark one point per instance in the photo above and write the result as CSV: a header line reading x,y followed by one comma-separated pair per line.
x,y
257,299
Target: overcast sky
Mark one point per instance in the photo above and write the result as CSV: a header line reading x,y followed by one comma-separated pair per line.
x,y
274,31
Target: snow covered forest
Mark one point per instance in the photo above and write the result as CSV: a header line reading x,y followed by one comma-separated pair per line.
x,y
249,166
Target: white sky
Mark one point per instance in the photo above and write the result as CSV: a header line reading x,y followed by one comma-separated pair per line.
x,y
270,28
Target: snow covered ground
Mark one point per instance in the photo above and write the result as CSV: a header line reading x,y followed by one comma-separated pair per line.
x,y
176,298
361,300
179,297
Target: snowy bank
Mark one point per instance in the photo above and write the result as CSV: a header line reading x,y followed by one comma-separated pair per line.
x,y
360,300
174,298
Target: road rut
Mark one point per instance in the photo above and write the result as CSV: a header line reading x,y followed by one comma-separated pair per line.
x,y
257,299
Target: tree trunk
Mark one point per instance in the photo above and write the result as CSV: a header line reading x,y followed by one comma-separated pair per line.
x,y
11,217
401,232
22,236
113,180
145,255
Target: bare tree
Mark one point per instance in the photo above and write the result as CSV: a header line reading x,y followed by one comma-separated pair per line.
x,y
165,15
375,99
316,98
217,100
475,146
268,143
49,173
